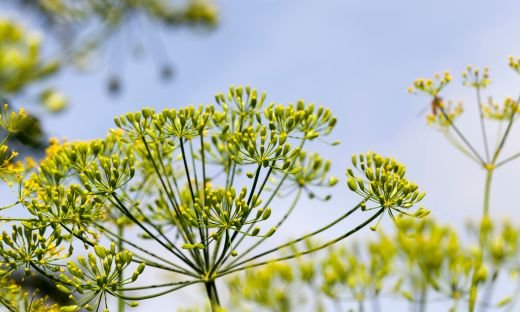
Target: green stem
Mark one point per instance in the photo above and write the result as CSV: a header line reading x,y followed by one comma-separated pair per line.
x,y
7,305
120,301
482,124
487,191
175,268
252,192
329,243
488,293
211,291
461,136
291,243
473,292
422,299
160,293
158,285
255,245
505,161
125,210
506,133
361,306
196,252
206,230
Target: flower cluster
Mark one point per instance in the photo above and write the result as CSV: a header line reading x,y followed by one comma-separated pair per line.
x,y
474,77
97,276
430,86
20,58
13,298
514,63
501,112
383,182
224,210
271,287
355,274
26,247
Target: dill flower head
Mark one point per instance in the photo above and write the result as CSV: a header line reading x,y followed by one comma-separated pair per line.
x,y
381,180
431,86
501,112
476,78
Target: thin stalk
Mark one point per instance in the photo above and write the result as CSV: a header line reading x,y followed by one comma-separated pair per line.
x,y
253,224
255,245
376,306
422,299
128,214
158,294
7,305
206,230
462,137
10,205
482,124
488,294
5,139
255,181
506,133
218,263
473,292
120,277
171,197
194,166
229,241
187,171
198,257
458,146
304,237
140,259
361,306
268,201
515,297
487,191
235,268
156,286
505,161
180,269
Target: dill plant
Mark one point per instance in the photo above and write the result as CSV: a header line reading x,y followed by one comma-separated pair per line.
x,y
197,182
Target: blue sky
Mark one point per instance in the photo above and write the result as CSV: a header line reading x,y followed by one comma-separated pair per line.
x,y
356,57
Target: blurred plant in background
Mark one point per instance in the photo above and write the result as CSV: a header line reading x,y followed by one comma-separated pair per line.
x,y
86,32
91,30
21,66
426,264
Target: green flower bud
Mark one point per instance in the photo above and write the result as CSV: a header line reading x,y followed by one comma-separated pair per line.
x,y
352,185
70,308
100,251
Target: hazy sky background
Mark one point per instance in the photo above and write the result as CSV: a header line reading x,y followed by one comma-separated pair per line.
x,y
356,57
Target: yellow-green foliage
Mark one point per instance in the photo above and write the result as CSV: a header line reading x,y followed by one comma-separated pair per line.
x,y
21,62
